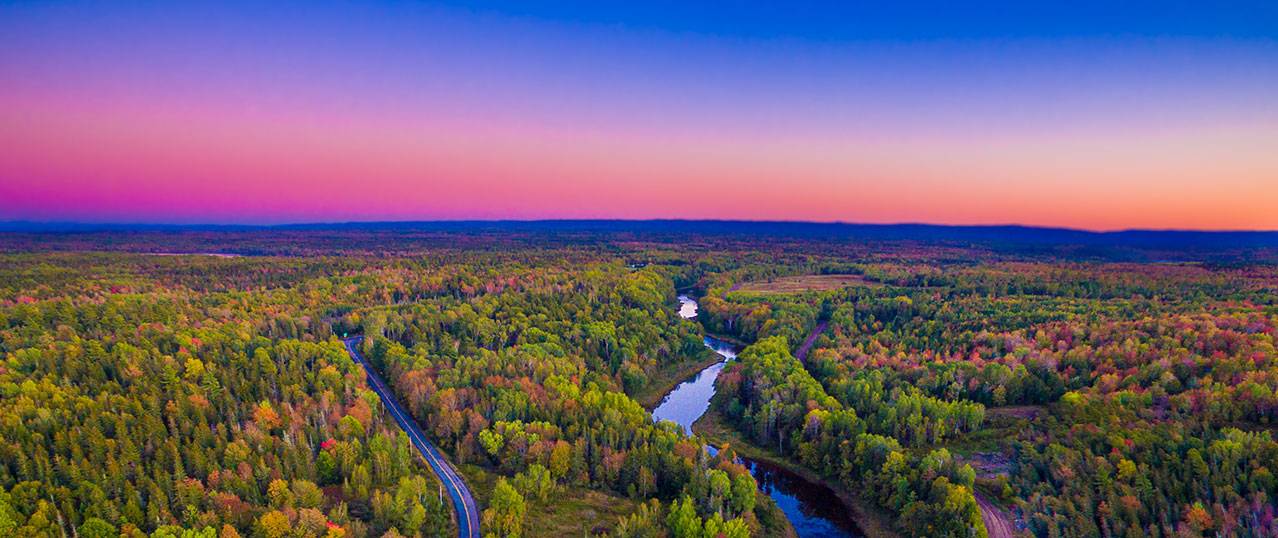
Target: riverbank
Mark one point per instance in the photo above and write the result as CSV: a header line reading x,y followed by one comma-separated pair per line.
x,y
742,344
772,519
667,378
793,504
873,522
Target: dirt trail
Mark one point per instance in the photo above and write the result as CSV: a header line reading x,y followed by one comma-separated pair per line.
x,y
997,522
802,353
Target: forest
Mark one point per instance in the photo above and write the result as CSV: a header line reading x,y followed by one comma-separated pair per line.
x,y
151,388
1131,400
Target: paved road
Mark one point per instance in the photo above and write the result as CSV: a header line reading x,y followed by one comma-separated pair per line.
x,y
463,502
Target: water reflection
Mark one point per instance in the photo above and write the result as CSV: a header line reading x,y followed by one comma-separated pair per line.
x,y
813,509
687,402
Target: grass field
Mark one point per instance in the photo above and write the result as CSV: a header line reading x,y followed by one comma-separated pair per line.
x,y
802,283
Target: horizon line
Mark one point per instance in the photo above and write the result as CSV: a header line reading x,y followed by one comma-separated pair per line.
x,y
28,225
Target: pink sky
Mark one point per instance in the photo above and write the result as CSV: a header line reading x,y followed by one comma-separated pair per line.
x,y
1156,134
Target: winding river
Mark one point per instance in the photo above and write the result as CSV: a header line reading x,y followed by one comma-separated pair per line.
x,y
813,509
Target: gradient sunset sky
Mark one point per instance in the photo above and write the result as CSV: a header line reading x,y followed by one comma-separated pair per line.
x,y
1096,115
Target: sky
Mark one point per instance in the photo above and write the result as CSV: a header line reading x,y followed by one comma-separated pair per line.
x,y
1093,115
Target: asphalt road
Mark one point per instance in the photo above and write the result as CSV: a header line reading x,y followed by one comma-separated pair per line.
x,y
463,502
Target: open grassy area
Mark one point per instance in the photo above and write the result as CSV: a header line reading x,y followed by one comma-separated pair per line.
x,y
803,283
569,512
1001,425
874,522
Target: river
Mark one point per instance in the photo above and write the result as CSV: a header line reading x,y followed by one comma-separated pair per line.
x,y
813,509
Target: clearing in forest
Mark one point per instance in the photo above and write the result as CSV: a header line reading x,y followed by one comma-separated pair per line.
x,y
802,283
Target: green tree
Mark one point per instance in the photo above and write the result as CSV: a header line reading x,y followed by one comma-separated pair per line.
x,y
504,517
535,482
683,521
97,528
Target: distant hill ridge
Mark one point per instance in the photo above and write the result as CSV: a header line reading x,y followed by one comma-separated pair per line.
x,y
1018,234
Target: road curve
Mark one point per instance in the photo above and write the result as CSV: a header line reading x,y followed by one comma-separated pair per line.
x,y
463,502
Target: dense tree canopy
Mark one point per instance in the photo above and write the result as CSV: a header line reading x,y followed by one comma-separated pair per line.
x,y
1159,385
149,395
